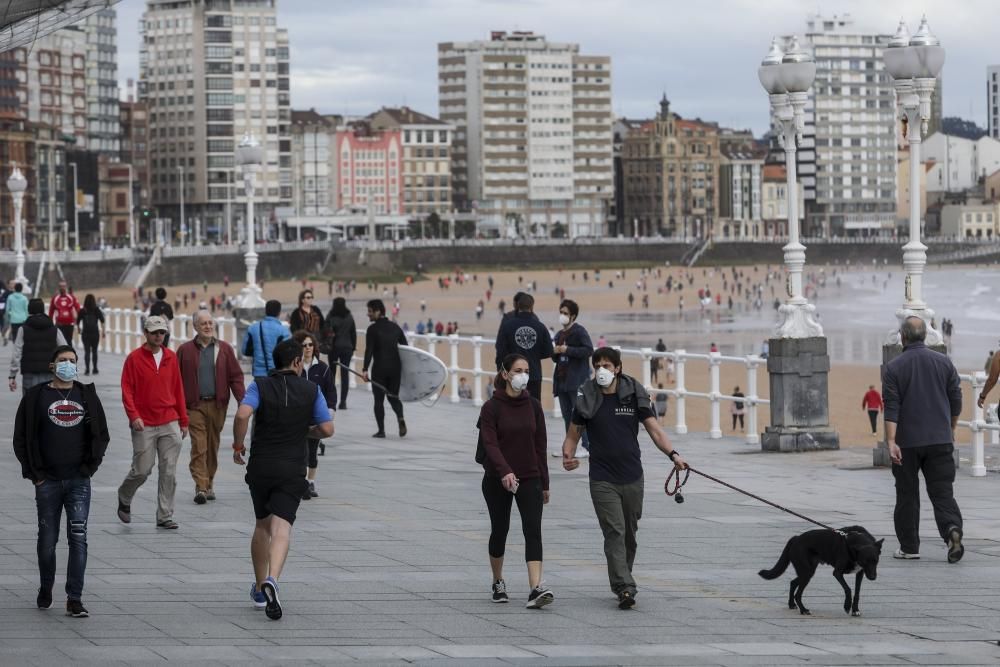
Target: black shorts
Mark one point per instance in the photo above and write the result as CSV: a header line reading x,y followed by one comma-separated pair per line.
x,y
277,492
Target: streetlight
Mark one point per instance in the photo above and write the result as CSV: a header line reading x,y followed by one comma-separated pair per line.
x,y
250,156
787,78
131,211
180,167
914,63
76,209
17,184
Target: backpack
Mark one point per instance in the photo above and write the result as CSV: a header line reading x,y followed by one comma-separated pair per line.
x,y
480,449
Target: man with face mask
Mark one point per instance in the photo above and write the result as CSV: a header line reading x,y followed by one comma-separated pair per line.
x,y
60,436
571,353
610,408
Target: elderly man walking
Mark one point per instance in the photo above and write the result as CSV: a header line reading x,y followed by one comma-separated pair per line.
x,y
153,397
923,399
209,373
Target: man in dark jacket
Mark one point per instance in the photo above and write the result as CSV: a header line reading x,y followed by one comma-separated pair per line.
x,y
923,399
60,436
572,352
382,341
209,373
161,308
524,334
33,348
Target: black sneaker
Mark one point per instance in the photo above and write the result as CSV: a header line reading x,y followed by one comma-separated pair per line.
x,y
626,600
76,609
322,449
124,512
342,406
270,590
500,591
402,428
379,434
955,548
312,490
44,599
539,597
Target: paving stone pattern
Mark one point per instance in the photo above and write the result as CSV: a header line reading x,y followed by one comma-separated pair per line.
x,y
389,564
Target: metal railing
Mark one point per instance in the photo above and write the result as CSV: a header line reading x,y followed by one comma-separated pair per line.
x,y
123,328
979,424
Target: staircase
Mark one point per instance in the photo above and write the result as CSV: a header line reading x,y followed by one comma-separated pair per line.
x,y
694,253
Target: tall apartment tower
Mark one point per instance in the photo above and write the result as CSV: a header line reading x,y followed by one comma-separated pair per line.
x,y
993,101
211,70
847,159
103,125
533,132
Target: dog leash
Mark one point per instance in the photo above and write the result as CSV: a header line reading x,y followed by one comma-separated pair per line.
x,y
679,497
372,382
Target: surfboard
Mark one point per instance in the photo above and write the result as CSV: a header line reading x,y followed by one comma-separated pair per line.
x,y
423,374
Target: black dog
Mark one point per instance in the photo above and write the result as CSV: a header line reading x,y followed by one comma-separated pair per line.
x,y
851,549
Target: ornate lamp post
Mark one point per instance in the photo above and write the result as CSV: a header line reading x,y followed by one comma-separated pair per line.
x,y
17,184
798,364
914,64
250,156
787,78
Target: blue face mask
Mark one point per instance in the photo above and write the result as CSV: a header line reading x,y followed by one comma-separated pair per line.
x,y
66,370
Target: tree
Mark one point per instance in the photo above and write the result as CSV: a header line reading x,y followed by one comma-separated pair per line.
x,y
558,230
434,224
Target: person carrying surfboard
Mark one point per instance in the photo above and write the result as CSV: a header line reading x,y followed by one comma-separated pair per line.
x,y
382,354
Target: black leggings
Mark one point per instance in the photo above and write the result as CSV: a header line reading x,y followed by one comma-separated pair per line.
x,y
344,357
90,354
392,384
313,449
735,417
529,504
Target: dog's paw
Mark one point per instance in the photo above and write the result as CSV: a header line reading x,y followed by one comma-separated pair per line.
x,y
791,605
856,612
847,607
805,612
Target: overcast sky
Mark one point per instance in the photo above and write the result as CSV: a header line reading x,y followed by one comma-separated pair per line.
x,y
351,56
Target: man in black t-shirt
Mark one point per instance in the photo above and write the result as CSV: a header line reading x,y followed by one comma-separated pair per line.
x,y
60,436
610,408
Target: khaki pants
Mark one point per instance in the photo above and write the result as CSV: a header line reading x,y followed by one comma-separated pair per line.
x,y
619,508
154,443
207,420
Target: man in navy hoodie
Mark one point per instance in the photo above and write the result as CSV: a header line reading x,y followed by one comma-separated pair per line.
x,y
523,333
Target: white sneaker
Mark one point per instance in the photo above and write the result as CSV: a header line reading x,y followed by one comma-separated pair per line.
x,y
902,555
582,453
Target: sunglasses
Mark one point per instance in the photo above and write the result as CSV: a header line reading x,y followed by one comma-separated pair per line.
x,y
307,345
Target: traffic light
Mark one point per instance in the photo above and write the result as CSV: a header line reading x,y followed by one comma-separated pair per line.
x,y
147,214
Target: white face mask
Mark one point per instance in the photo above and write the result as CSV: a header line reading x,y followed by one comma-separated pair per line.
x,y
563,319
518,381
604,377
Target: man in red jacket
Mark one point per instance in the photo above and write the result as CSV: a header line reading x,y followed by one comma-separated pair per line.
x,y
63,310
210,372
872,402
153,396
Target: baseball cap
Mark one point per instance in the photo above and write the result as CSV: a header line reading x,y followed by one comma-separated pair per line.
x,y
156,323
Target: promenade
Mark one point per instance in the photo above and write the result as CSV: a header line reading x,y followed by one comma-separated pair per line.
x,y
389,564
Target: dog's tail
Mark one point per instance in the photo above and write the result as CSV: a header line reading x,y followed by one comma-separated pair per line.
x,y
779,567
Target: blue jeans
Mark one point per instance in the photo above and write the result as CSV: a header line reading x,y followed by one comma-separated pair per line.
x,y
50,497
566,399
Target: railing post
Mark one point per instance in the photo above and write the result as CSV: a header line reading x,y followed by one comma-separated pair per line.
x,y
977,423
647,372
173,331
352,380
453,370
477,370
713,361
432,344
115,325
751,400
679,361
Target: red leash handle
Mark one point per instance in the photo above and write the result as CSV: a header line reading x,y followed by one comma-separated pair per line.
x,y
678,482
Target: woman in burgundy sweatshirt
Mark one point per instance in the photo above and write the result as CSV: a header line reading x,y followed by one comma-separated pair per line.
x,y
512,426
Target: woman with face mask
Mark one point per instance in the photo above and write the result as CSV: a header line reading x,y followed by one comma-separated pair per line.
x,y
60,436
512,427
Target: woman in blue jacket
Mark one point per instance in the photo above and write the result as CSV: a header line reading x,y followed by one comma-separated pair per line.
x,y
319,374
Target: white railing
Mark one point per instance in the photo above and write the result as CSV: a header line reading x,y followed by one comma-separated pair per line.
x,y
978,425
123,329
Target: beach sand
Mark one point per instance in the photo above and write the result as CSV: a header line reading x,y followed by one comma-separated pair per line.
x,y
605,311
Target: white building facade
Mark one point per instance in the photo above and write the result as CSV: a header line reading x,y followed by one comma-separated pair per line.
x,y
533,133
959,163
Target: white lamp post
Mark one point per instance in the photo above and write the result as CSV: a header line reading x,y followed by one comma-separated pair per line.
x,y
914,63
250,156
17,184
787,78
131,211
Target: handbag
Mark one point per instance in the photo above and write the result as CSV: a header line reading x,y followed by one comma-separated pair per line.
x,y
326,341
480,449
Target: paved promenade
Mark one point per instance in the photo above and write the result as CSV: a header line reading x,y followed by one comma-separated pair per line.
x,y
389,564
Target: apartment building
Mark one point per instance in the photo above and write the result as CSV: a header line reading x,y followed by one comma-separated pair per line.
x,y
52,83
740,178
774,201
369,167
533,132
972,220
103,123
210,71
314,163
134,150
847,159
993,101
959,163
670,167
426,159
